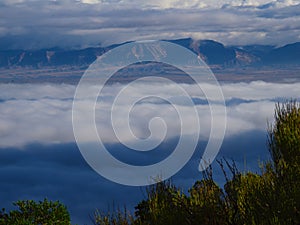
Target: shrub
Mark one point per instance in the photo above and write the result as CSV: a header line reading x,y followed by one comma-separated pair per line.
x,y
36,213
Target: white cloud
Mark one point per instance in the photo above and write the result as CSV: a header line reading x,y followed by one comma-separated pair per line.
x,y
43,112
166,4
74,23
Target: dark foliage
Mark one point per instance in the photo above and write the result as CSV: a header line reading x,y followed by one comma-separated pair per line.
x,y
36,213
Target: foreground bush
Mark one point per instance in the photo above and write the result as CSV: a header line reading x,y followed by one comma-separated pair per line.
x,y
36,213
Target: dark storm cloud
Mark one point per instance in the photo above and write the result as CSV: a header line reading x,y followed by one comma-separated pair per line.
x,y
37,24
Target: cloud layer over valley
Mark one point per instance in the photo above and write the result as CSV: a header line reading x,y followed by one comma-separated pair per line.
x,y
42,113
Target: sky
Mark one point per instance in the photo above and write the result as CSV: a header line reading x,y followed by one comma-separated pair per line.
x,y
33,24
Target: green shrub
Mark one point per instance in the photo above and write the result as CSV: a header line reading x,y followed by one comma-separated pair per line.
x,y
284,146
284,134
114,218
36,213
165,205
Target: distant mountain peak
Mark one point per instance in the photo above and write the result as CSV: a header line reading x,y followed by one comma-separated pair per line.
x,y
211,51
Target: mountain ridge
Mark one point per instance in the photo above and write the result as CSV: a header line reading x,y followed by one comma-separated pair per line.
x,y
212,52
